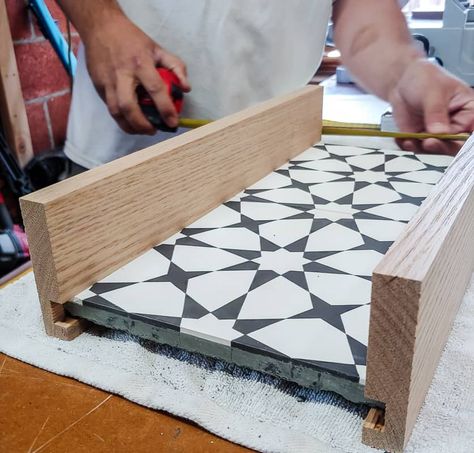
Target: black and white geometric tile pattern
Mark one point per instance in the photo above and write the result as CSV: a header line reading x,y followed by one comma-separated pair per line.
x,y
284,268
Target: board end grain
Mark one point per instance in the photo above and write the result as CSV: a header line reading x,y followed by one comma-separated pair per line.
x,y
39,241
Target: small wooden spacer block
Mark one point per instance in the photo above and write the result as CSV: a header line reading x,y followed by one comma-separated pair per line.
x,y
375,420
70,328
58,324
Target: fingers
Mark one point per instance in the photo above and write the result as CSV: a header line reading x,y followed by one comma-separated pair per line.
x,y
173,63
122,100
430,146
434,146
431,100
110,98
128,108
408,145
156,88
117,69
436,114
462,112
123,106
406,119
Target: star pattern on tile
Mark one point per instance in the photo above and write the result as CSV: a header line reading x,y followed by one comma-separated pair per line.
x,y
283,268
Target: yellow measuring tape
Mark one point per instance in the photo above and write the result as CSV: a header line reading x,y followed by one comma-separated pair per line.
x,y
353,129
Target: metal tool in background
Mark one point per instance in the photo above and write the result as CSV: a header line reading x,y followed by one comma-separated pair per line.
x,y
13,244
14,248
40,172
450,40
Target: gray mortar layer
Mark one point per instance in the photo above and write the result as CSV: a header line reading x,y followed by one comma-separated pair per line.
x,y
300,374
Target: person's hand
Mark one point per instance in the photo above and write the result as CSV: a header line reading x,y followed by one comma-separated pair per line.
x,y
427,98
119,58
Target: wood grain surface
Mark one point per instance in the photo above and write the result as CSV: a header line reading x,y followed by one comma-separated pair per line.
x,y
12,106
82,229
416,292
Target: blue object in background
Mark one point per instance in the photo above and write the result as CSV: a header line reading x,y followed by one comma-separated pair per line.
x,y
52,33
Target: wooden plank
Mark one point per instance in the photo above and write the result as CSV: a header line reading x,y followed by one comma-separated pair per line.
x,y
12,106
82,229
416,293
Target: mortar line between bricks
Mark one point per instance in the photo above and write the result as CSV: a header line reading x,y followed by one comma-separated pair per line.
x,y
32,19
31,22
47,97
37,39
34,40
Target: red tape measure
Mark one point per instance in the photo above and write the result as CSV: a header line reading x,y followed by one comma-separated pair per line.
x,y
148,106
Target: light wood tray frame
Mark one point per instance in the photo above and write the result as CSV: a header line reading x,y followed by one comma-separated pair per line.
x,y
82,229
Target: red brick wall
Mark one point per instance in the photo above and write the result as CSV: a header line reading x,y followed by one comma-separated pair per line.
x,y
44,81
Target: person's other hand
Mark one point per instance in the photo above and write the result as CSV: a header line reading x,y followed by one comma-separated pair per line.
x,y
427,98
119,58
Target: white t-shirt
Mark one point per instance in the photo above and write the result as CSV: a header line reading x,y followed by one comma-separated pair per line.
x,y
238,52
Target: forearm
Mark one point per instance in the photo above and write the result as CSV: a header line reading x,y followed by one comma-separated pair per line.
x,y
374,41
90,15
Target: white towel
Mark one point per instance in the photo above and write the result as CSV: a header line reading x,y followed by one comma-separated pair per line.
x,y
263,414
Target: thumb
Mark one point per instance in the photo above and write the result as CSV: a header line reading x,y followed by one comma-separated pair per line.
x,y
436,112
